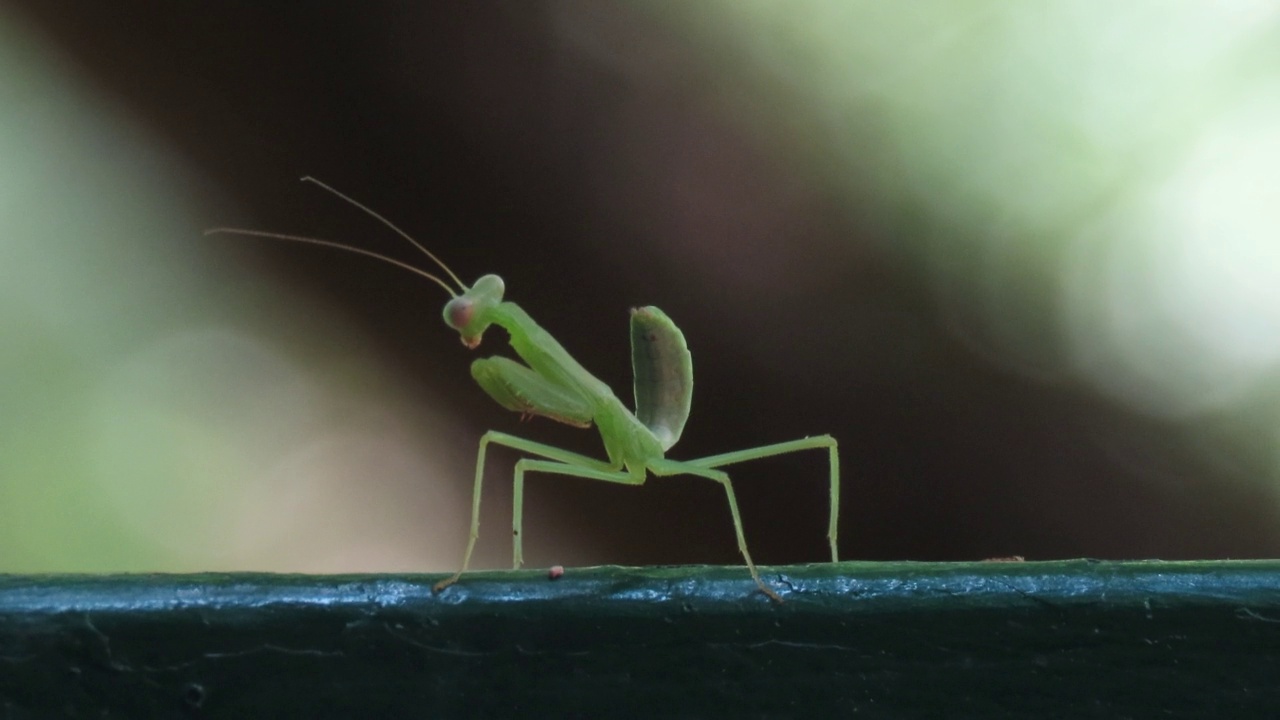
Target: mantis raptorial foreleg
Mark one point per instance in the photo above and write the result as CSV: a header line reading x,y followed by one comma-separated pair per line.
x,y
552,384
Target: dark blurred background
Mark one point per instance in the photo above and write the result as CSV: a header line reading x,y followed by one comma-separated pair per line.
x,y
1020,260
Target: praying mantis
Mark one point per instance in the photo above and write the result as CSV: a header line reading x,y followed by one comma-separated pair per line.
x,y
553,385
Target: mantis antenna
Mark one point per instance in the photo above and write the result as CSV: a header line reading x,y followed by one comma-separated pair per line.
x,y
349,248
339,246
389,224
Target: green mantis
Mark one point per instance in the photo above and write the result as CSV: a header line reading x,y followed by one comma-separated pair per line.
x,y
552,384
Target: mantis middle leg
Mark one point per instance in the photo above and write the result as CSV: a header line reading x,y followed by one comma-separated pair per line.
x,y
566,463
554,468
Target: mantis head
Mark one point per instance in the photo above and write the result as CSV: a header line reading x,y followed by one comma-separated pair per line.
x,y
471,313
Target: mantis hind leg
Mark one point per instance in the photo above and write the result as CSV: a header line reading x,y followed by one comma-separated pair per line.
x,y
674,467
817,442
565,460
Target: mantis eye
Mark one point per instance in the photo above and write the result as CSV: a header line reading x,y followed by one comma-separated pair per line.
x,y
458,312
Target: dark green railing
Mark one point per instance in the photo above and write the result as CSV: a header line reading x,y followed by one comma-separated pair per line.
x,y
985,640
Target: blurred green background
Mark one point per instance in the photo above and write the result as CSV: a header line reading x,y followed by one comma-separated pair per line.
x,y
1021,259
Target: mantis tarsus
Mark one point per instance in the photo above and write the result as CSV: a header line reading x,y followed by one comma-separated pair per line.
x,y
553,385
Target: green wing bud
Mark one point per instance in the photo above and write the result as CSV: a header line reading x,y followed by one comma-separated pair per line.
x,y
663,372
